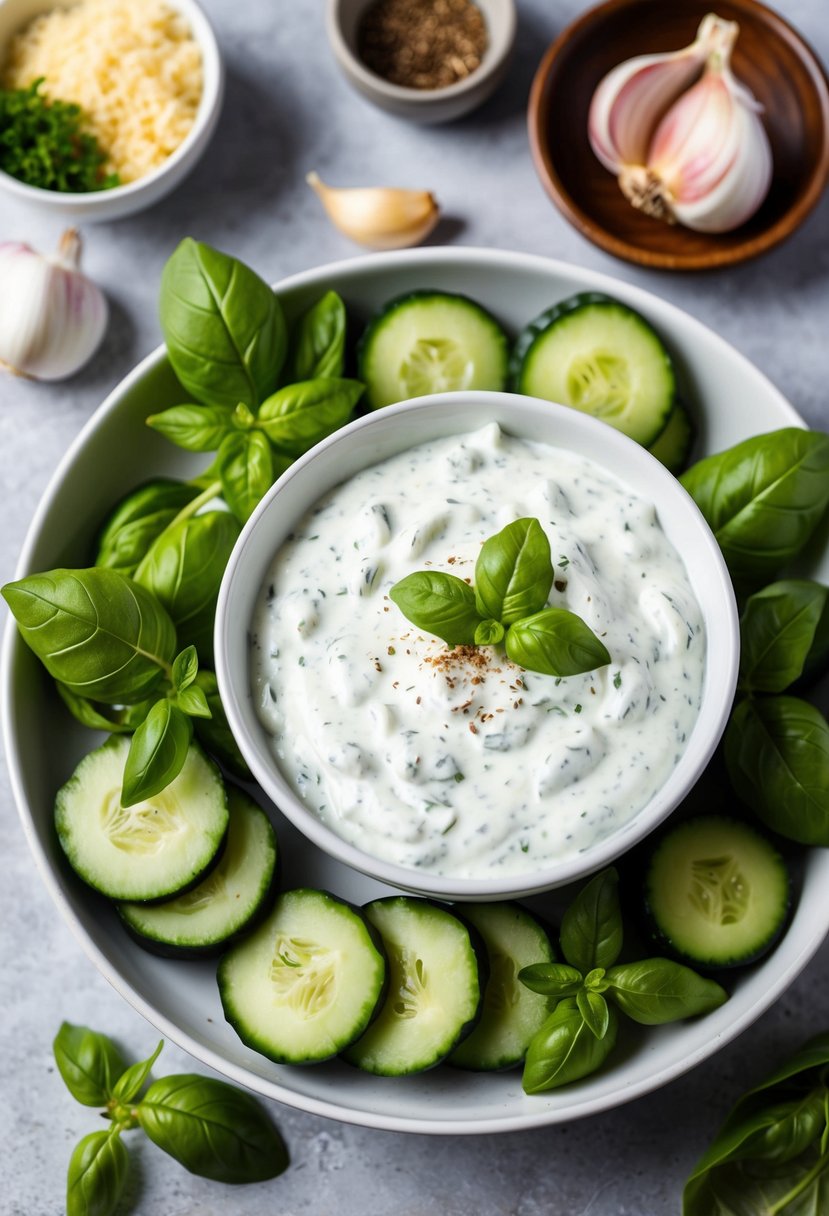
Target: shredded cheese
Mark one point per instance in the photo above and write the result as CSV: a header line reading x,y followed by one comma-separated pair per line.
x,y
132,65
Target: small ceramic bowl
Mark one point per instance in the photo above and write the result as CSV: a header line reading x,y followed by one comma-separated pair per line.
x,y
124,200
395,429
424,105
770,57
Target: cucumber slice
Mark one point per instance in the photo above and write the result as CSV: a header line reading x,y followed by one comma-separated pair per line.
x,y
155,849
306,983
225,905
436,976
674,444
431,342
597,355
716,892
511,1014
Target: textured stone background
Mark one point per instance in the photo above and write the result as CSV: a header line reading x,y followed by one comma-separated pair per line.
x,y
288,111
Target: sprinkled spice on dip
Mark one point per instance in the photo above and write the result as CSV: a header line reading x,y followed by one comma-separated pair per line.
x,y
458,762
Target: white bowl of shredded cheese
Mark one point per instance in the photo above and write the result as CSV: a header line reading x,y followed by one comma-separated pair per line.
x,y
148,77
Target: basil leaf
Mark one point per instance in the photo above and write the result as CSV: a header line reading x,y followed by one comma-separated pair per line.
x,y
591,928
224,327
212,1129
185,668
157,752
777,633
247,471
653,991
789,1128
88,714
551,979
99,633
138,519
441,604
192,701
489,633
754,1188
214,734
97,1173
595,1010
565,1049
514,572
300,415
557,643
318,340
131,1081
89,1063
184,569
763,498
777,753
198,428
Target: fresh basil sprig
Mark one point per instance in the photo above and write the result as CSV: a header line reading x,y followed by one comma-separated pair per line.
x,y
772,1153
586,990
211,1128
317,345
513,577
778,629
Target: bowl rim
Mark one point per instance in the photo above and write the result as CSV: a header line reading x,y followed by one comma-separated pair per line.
x,y
721,1031
722,640
213,85
719,256
492,61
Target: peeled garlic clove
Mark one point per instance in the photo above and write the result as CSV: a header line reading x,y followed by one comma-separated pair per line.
x,y
52,317
710,165
629,102
376,216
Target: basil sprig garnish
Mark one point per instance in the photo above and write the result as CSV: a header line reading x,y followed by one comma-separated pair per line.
x,y
586,991
211,1128
513,577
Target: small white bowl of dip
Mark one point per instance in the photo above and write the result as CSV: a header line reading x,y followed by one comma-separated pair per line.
x,y
412,854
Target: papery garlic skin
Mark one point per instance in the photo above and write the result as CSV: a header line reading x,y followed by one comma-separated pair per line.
x,y
631,99
711,155
52,318
378,217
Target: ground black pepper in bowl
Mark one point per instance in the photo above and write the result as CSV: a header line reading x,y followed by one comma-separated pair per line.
x,y
422,44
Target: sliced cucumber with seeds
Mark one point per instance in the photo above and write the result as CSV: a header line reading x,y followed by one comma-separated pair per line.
x,y
431,342
510,1013
673,446
307,982
222,907
155,849
436,976
716,892
597,355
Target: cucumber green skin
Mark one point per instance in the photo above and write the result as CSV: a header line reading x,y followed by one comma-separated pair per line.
x,y
673,444
379,319
212,949
249,1037
479,953
193,879
666,943
539,326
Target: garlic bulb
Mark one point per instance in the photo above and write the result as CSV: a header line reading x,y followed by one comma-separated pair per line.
x,y
693,153
632,97
52,317
376,216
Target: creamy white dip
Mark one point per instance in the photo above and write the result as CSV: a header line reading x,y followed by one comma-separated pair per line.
x,y
467,765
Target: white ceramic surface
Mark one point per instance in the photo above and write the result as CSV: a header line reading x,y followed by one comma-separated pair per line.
x,y
135,196
115,451
386,433
424,105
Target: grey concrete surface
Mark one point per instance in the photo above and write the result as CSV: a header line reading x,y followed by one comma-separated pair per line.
x,y
288,111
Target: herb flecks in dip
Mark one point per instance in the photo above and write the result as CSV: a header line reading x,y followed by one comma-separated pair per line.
x,y
457,761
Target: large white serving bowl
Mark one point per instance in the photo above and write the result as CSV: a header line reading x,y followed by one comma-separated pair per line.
x,y
116,451
396,429
104,205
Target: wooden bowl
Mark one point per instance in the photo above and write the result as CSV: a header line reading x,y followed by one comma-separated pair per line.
x,y
770,57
